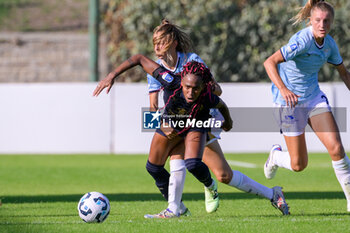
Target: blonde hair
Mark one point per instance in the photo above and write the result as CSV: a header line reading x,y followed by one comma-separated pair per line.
x,y
306,11
167,33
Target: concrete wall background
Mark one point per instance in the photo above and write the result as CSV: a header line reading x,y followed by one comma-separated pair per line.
x,y
65,118
47,57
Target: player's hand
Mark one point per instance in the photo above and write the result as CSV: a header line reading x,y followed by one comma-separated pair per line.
x,y
169,132
215,88
227,125
290,98
107,82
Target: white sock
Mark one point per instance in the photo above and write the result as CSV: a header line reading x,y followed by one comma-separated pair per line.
x,y
176,185
342,172
282,159
248,185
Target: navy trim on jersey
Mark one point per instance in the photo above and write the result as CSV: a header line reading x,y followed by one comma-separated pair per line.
x,y
154,91
319,46
282,55
336,64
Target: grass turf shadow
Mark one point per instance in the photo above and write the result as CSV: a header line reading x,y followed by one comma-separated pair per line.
x,y
124,197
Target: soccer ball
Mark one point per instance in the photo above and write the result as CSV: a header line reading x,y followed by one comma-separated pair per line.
x,y
93,207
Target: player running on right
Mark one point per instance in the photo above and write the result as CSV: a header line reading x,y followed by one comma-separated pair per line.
x,y
294,72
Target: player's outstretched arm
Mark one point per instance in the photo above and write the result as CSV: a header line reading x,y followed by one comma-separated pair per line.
x,y
227,125
147,64
344,74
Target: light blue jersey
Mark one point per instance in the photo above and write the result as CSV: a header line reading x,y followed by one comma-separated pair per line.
x,y
182,59
303,60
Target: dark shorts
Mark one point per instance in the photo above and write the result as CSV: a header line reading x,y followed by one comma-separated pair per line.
x,y
183,135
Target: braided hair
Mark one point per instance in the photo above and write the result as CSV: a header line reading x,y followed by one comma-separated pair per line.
x,y
200,70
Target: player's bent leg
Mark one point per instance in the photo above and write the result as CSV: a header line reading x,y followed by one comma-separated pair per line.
x,y
214,158
217,163
295,159
297,150
194,144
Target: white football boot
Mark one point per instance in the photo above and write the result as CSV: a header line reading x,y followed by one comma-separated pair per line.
x,y
270,168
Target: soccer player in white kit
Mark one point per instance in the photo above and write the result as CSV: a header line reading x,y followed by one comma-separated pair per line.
x,y
298,99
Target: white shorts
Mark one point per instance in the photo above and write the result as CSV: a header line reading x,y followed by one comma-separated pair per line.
x,y
215,134
292,121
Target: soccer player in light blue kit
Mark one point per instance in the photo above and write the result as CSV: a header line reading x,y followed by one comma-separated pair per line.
x,y
294,72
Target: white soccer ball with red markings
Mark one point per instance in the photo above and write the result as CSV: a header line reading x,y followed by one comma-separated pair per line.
x,y
93,207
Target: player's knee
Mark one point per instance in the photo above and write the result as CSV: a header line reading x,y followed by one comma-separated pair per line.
x,y
336,150
298,167
224,177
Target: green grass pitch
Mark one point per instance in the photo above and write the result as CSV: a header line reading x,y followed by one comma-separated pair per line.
x,y
40,193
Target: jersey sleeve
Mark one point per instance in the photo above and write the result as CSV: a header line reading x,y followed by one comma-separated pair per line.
x,y
153,84
195,57
295,47
167,79
335,57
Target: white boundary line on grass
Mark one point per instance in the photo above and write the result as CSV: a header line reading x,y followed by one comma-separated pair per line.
x,y
242,164
252,165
